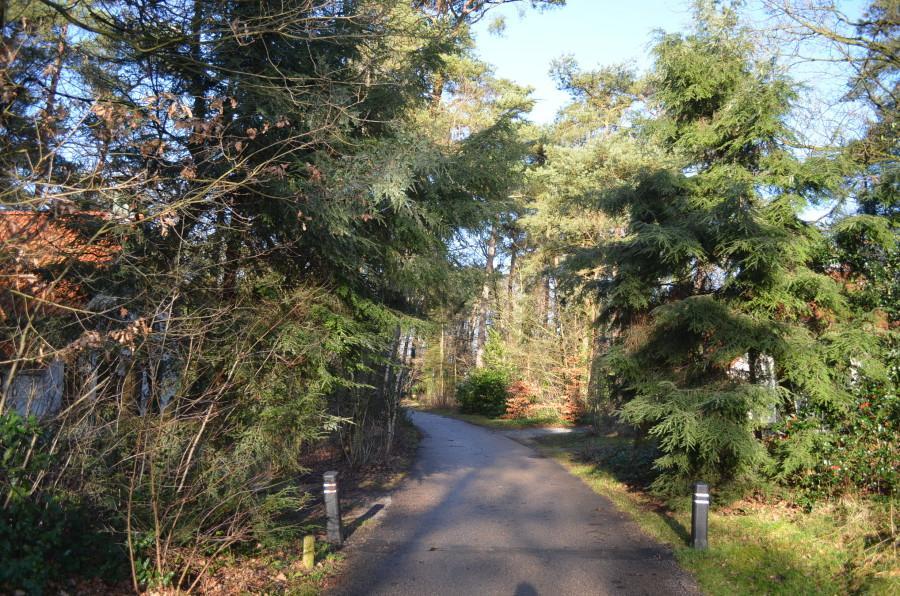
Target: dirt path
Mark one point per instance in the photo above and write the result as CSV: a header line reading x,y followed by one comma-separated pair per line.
x,y
483,514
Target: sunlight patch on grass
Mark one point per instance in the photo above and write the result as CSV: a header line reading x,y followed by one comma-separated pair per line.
x,y
500,423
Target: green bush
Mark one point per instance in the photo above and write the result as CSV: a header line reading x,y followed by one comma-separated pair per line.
x,y
483,392
829,453
53,538
45,535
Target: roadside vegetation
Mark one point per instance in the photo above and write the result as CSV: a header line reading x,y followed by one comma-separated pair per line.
x,y
499,423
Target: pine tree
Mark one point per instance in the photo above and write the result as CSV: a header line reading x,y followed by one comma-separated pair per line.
x,y
720,317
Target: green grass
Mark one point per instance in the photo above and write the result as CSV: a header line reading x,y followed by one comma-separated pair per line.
x,y
311,583
549,419
757,547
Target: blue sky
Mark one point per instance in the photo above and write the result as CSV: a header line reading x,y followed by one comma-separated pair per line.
x,y
595,32
604,33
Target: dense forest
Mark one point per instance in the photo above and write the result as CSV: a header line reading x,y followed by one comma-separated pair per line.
x,y
235,232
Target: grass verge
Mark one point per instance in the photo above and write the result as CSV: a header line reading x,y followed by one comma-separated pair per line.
x,y
757,546
500,423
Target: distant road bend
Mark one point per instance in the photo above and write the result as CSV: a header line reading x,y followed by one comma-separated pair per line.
x,y
482,514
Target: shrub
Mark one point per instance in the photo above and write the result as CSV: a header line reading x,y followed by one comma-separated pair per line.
x,y
45,535
848,451
520,397
483,392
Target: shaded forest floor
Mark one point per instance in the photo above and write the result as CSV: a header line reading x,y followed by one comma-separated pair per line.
x,y
279,570
277,567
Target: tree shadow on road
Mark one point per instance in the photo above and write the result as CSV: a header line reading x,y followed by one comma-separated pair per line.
x,y
624,459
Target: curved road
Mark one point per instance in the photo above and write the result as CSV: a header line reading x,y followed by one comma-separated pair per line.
x,y
481,514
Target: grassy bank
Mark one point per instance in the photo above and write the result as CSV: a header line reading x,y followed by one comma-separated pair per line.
x,y
757,546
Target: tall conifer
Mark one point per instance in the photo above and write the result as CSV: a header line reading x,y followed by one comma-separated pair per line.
x,y
721,319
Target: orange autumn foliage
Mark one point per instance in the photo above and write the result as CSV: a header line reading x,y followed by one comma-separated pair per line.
x,y
519,400
31,242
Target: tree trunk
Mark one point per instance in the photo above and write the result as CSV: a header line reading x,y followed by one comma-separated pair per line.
x,y
545,301
592,334
510,283
389,364
553,298
437,90
485,297
50,106
442,399
396,395
198,84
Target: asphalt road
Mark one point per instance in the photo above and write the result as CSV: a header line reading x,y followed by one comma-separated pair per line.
x,y
482,514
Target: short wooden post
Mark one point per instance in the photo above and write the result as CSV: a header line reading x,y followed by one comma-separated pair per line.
x,y
309,551
700,516
334,526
